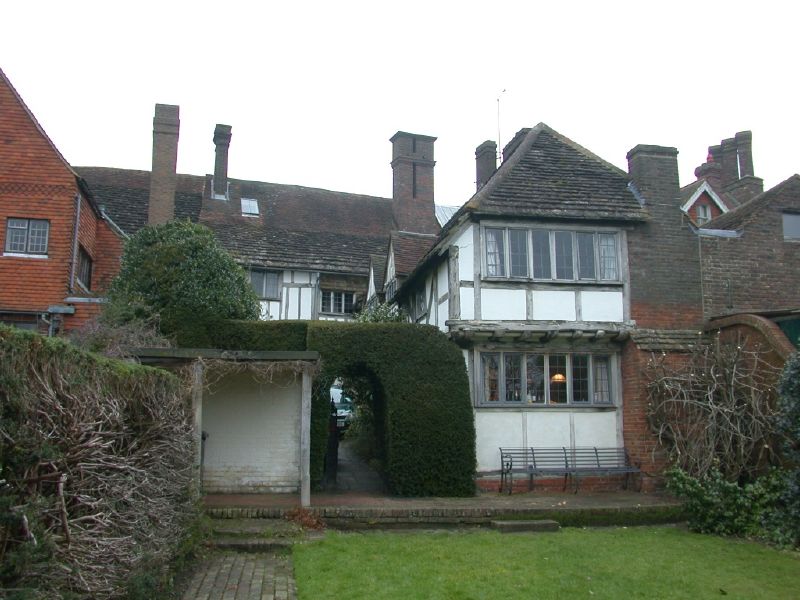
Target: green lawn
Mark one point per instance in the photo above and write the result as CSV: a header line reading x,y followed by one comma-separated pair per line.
x,y
641,562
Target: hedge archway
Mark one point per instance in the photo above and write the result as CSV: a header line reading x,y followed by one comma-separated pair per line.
x,y
429,426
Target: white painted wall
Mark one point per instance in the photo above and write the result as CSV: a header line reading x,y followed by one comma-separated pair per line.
x,y
253,442
540,427
553,305
466,264
601,306
467,296
503,305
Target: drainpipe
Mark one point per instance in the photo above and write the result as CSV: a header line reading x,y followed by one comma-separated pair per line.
x,y
75,230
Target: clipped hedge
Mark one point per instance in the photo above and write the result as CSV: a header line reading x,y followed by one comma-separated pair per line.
x,y
97,470
420,376
245,335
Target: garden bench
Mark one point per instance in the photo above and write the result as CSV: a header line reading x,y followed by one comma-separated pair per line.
x,y
569,462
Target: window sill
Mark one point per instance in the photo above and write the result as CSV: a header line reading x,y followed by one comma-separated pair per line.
x,y
24,255
588,282
548,407
335,314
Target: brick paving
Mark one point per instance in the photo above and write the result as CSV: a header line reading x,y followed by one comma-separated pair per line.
x,y
243,576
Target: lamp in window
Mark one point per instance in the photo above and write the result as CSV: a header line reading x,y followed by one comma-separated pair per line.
x,y
558,378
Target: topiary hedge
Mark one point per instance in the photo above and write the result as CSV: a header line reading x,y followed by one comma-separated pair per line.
x,y
246,335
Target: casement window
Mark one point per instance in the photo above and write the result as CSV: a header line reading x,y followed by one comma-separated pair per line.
x,y
420,306
249,207
551,254
517,378
342,303
27,236
266,284
703,213
84,268
791,227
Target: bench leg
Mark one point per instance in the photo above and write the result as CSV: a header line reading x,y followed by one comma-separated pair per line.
x,y
530,482
577,481
625,483
565,481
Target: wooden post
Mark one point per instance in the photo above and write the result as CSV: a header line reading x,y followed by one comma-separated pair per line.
x,y
305,441
197,411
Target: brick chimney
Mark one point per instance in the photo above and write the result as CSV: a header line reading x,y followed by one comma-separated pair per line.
x,y
163,176
222,141
485,162
729,162
730,168
744,148
412,189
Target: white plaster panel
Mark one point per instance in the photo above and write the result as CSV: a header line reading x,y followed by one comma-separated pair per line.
x,y
253,442
466,257
306,296
441,278
302,277
553,306
502,305
596,429
444,312
293,294
269,309
494,429
467,303
601,306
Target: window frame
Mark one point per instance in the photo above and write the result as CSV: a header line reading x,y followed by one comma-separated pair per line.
x,y
83,273
559,272
705,217
252,209
333,302
262,295
598,368
795,217
27,237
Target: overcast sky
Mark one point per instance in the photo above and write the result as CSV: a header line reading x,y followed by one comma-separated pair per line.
x,y
314,90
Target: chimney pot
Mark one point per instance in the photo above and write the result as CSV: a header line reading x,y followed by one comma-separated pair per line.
x,y
485,162
163,176
222,141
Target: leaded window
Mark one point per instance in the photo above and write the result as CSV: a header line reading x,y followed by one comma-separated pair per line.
x,y
266,284
27,236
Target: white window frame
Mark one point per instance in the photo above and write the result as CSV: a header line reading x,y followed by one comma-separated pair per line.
x,y
504,262
703,212
608,398
26,251
249,207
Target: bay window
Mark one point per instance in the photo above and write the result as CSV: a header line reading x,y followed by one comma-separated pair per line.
x,y
519,378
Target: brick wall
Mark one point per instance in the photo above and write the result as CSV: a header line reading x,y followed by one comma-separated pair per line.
x,y
758,270
662,253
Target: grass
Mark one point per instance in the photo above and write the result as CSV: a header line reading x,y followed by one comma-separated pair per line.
x,y
640,562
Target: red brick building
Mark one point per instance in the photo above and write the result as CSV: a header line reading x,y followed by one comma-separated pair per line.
x,y
58,250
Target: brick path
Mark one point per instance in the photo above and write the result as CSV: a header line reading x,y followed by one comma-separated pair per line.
x,y
243,576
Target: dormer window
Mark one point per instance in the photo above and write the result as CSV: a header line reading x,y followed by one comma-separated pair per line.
x,y
249,207
703,214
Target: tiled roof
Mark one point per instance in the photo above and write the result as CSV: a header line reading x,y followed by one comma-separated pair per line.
x,y
378,270
655,340
550,176
738,217
444,213
297,227
409,248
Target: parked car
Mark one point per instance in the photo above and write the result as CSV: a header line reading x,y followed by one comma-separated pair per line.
x,y
343,406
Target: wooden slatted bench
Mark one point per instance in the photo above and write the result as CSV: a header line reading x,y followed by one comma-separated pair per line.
x,y
569,462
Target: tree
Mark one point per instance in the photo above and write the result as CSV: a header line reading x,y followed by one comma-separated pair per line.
x,y
382,313
180,274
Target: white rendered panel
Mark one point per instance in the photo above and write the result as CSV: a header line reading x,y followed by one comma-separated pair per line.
x,y
306,296
302,277
596,429
553,306
293,294
503,305
253,442
466,259
441,278
467,303
601,306
444,311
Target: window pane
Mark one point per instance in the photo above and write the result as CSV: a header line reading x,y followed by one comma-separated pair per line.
x,y
541,254
513,372
602,381
84,268
558,378
518,252
338,302
495,253
491,377
348,302
271,289
327,298
37,236
257,281
607,243
586,256
563,241
791,226
16,235
535,378
580,378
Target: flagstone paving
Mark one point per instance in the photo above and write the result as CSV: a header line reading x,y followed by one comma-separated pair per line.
x,y
243,576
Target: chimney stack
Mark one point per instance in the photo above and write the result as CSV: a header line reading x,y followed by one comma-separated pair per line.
x,y
729,162
222,141
730,166
163,176
412,189
744,147
485,162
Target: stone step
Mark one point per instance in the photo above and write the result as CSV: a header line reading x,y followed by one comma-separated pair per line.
x,y
538,526
252,544
268,528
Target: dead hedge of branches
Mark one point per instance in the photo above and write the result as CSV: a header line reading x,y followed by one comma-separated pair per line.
x,y
716,409
97,469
